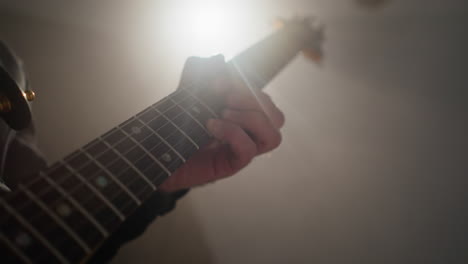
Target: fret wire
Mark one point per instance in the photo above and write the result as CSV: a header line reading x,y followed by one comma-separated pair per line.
x,y
144,124
48,180
65,195
173,161
87,213
15,250
33,231
118,182
127,150
96,192
183,110
162,139
153,134
137,118
131,165
83,211
201,102
77,206
146,151
127,162
190,103
193,118
156,146
110,199
72,191
141,190
169,145
37,221
177,127
56,218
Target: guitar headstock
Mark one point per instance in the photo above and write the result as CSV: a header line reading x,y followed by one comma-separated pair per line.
x,y
310,32
14,92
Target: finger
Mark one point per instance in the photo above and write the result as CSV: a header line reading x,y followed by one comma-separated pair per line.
x,y
243,147
189,72
265,135
221,85
256,102
216,61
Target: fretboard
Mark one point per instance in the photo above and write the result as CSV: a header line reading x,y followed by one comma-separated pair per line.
x,y
66,211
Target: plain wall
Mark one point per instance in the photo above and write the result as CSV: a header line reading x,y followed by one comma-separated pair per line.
x,y
374,157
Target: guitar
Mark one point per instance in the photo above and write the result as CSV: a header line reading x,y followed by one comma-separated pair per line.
x,y
65,212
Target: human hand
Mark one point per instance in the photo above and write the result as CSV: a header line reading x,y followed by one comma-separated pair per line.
x,y
248,126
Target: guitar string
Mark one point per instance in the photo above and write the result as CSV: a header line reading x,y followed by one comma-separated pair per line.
x,y
126,205
117,191
177,104
190,94
181,88
128,150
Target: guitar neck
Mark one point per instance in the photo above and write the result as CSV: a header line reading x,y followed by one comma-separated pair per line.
x,y
66,211
260,63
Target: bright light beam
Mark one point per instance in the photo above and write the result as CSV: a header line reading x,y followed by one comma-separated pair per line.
x,y
205,28
207,24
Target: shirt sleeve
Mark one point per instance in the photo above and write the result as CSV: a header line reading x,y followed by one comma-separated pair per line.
x,y
157,205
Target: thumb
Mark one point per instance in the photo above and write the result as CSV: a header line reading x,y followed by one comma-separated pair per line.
x,y
198,68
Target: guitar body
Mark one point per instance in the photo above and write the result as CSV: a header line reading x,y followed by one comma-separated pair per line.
x,y
15,123
14,92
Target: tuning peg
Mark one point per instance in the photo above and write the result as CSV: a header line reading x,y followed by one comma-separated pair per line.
x,y
29,95
5,103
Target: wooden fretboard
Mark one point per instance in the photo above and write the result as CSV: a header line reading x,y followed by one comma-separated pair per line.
x,y
67,211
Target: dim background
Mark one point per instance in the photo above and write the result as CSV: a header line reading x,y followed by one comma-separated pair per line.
x,y
374,157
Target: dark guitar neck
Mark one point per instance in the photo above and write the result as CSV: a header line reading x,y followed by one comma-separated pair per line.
x,y
64,213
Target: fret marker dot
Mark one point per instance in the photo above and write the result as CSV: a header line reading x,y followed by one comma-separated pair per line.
x,y
196,109
166,157
101,181
136,130
63,210
23,239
